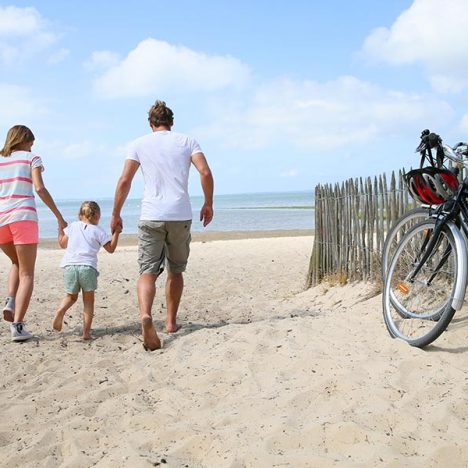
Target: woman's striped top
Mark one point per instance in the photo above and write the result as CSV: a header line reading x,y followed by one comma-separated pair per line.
x,y
16,187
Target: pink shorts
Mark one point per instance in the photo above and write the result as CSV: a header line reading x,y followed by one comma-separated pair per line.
x,y
21,232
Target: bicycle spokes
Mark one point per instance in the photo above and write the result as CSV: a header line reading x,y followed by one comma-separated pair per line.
x,y
420,283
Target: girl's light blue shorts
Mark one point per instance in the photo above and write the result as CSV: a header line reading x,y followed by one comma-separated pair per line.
x,y
79,277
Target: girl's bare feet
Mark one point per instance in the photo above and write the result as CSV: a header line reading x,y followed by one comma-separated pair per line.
x,y
66,303
58,321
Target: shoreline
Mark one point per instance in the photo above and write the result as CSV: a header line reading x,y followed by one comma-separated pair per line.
x,y
208,236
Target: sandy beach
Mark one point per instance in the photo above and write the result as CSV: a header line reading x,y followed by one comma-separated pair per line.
x,y
262,374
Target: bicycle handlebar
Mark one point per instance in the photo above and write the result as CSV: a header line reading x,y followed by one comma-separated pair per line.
x,y
457,154
429,140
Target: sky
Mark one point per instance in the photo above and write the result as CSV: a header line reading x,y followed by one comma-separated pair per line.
x,y
280,96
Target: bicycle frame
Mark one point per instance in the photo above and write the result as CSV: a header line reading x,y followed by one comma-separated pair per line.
x,y
453,214
456,219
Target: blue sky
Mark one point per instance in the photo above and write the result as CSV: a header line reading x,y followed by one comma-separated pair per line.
x,y
280,96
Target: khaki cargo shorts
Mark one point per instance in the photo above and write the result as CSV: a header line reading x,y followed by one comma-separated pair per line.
x,y
163,242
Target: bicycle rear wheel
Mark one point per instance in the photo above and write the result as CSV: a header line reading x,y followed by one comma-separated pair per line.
x,y
419,309
396,233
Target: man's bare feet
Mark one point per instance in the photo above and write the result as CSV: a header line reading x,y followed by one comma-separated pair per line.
x,y
172,327
58,322
151,341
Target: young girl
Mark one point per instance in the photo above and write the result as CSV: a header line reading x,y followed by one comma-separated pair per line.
x,y
20,173
82,239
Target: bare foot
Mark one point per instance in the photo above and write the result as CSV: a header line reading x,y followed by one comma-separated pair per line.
x,y
8,315
151,341
88,337
58,322
173,327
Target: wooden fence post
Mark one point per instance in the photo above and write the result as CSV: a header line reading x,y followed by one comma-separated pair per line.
x,y
351,222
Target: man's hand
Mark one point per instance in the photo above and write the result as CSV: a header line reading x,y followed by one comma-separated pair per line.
x,y
206,214
62,224
116,224
206,178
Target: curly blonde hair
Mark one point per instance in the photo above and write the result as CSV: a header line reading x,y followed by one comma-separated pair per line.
x,y
88,210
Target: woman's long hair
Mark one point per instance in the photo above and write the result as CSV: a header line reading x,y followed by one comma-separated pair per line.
x,y
16,136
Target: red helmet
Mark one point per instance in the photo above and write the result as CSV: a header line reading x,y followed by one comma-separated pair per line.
x,y
431,185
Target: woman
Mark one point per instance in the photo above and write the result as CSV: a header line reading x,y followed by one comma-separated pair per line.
x,y
20,172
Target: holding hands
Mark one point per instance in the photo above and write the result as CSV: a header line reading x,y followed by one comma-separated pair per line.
x,y
116,224
62,224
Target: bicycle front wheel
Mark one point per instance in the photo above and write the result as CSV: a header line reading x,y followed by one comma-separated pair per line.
x,y
417,298
396,233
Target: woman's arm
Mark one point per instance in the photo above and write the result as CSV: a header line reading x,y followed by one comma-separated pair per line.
x,y
46,197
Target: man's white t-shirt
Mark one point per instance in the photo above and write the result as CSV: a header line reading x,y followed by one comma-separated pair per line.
x,y
165,159
84,242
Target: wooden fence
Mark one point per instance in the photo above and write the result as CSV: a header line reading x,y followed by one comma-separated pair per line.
x,y
351,222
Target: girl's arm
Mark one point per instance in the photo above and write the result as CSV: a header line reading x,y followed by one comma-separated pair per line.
x,y
46,197
112,245
62,239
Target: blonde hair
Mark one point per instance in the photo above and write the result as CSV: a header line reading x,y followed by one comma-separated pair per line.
x,y
88,210
16,136
160,114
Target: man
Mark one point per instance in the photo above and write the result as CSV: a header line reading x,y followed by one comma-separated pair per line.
x,y
165,158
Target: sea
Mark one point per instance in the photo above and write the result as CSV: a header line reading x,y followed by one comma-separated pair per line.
x,y
240,212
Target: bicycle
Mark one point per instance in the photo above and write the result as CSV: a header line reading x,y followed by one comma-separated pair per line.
x,y
412,217
426,278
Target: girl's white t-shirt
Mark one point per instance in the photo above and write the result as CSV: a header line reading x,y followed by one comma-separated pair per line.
x,y
84,242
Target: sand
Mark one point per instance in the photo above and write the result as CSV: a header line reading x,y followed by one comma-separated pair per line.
x,y
262,373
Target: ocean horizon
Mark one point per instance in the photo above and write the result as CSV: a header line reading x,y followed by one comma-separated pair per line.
x,y
267,211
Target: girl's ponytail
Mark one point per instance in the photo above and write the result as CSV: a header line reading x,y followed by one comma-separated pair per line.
x,y
88,210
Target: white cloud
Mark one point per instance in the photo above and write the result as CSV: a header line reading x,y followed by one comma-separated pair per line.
x,y
322,116
154,67
432,33
19,22
19,106
23,32
102,60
